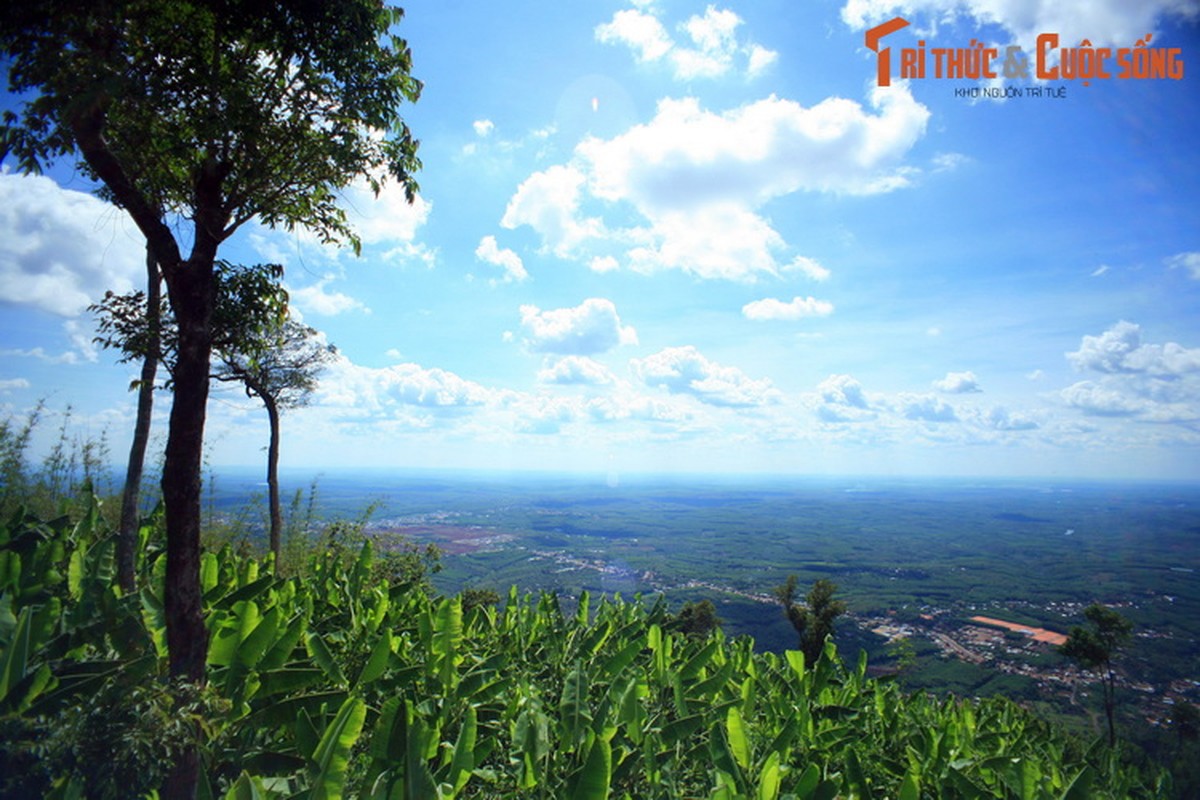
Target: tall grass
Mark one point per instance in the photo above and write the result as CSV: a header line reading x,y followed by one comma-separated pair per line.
x,y
74,465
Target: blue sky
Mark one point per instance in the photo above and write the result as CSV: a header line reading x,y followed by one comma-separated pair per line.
x,y
675,237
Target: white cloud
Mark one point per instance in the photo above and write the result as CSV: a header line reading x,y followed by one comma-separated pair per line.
x,y
1103,22
1001,419
1092,398
1119,350
697,178
642,33
945,162
603,264
83,339
589,328
1100,270
1155,383
386,389
387,224
548,202
808,267
689,157
488,251
388,219
60,249
958,383
68,357
1188,261
576,371
927,408
843,390
627,406
483,127
841,398
760,59
711,49
317,299
717,241
10,384
798,308
683,370
541,415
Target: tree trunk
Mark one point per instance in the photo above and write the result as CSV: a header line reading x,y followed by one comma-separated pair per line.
x,y
191,294
127,533
187,639
273,478
1109,681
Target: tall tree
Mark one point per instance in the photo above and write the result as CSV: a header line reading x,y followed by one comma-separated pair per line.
x,y
813,622
282,372
219,112
223,112
249,311
698,619
127,530
1093,647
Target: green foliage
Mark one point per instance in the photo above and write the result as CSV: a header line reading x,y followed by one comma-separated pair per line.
x,y
345,681
813,622
1094,646
72,467
698,619
249,311
284,104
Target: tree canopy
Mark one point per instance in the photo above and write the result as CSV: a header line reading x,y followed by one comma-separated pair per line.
x,y
813,622
236,109
1093,646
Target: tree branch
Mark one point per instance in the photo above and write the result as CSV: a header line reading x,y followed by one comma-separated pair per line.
x,y
88,130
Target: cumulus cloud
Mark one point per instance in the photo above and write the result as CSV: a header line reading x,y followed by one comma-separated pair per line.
x,y
926,407
1157,383
386,224
1000,418
683,370
1103,22
549,202
1119,350
9,384
708,47
488,251
1186,261
60,249
384,389
317,299
695,179
841,398
483,127
958,383
688,157
843,390
627,406
388,220
798,308
603,264
1093,398
576,371
589,328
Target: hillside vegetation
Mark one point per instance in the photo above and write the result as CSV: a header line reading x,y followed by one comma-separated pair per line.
x,y
347,678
